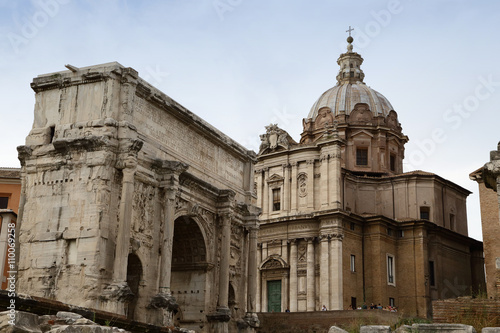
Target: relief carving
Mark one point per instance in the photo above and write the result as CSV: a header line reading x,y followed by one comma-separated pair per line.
x,y
143,207
302,252
324,118
302,184
272,264
392,119
275,137
361,113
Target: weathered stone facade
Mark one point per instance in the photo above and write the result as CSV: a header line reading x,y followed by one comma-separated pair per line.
x,y
132,204
342,224
488,179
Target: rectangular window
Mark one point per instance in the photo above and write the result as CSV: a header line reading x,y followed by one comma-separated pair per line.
x,y
452,222
276,199
353,303
352,226
391,302
353,263
389,231
425,213
4,202
362,156
401,233
432,278
392,160
390,269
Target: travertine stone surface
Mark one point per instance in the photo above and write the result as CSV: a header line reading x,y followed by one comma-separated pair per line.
x,y
488,179
125,196
335,329
375,329
453,328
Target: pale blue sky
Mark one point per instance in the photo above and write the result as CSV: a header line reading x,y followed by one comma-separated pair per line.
x,y
242,64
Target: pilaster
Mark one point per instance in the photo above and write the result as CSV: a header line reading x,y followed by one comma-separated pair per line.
x,y
324,182
258,277
286,188
293,275
265,195
324,274
310,184
336,276
311,276
293,189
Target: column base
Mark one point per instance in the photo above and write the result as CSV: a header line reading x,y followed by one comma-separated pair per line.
x,y
218,321
164,301
252,319
168,304
115,297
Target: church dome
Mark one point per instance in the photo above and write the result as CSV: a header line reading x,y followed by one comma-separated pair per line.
x,y
343,98
350,92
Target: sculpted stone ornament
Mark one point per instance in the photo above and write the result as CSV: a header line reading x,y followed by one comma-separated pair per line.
x,y
302,182
164,301
324,118
275,137
119,291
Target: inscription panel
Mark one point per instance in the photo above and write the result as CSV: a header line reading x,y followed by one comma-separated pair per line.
x,y
186,144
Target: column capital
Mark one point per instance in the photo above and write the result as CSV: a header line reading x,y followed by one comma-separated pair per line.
x,y
323,238
336,236
310,239
127,163
226,217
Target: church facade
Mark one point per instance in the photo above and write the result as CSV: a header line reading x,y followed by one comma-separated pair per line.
x,y
134,205
343,225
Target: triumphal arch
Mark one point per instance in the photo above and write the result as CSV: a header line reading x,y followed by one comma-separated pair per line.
x,y
133,204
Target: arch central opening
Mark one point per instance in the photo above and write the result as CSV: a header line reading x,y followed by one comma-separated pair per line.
x,y
189,272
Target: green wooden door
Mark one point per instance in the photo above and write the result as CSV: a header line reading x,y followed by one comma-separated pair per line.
x,y
274,296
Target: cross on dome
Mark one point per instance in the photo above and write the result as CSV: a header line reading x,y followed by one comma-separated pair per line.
x,y
349,30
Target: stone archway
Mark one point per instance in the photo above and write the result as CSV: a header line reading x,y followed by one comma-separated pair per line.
x,y
134,277
189,272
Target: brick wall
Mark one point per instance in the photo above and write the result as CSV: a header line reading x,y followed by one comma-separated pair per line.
x,y
321,321
464,310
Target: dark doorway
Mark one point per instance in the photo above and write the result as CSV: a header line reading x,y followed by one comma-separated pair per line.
x,y
274,296
134,276
189,271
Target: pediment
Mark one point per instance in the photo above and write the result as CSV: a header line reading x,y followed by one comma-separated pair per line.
x,y
275,178
361,132
273,262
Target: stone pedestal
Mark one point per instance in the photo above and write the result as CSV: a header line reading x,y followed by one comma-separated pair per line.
x,y
218,321
169,306
249,324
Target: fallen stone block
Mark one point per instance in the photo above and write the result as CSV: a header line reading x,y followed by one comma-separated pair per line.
x,y
335,329
451,328
491,330
23,322
85,329
375,329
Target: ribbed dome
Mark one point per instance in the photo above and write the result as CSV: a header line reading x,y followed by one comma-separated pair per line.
x,y
343,97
